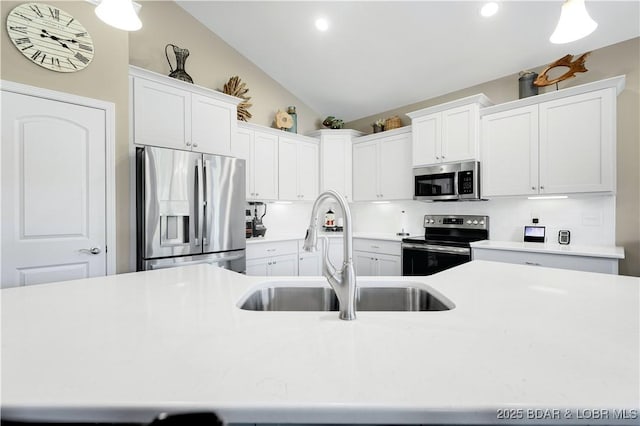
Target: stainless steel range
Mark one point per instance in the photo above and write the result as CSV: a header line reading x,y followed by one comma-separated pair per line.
x,y
445,244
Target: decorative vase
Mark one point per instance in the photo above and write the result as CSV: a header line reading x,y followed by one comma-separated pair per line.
x,y
294,119
377,128
181,57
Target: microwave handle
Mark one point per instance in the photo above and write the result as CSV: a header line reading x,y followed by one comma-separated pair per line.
x,y
456,190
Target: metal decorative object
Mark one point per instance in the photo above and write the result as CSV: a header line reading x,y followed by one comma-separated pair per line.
x,y
526,87
333,123
235,87
565,61
181,57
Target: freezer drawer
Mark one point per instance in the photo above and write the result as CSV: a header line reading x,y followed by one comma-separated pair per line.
x,y
232,260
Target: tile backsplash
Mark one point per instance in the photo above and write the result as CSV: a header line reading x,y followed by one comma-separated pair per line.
x,y
591,219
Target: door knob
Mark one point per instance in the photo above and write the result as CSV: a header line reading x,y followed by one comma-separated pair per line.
x,y
92,250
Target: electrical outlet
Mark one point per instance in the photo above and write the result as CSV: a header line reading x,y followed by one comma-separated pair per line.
x,y
534,220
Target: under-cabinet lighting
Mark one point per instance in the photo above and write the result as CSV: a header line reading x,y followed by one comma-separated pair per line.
x,y
380,202
548,197
489,9
281,202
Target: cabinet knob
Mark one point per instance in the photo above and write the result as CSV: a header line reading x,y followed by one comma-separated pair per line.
x,y
542,187
195,145
437,158
188,143
533,187
257,194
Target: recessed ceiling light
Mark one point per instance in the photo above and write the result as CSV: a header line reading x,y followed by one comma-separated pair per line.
x,y
322,24
489,9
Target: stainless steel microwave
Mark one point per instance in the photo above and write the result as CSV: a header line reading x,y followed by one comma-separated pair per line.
x,y
447,182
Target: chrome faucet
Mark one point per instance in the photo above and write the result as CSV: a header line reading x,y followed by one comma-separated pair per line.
x,y
343,280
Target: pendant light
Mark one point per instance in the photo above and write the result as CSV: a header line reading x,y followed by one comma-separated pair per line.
x,y
120,14
574,24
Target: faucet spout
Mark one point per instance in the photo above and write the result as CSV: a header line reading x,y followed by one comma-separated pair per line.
x,y
343,279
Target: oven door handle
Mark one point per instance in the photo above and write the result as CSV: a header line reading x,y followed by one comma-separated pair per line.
x,y
438,249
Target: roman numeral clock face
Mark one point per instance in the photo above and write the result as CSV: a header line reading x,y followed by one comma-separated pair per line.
x,y
50,37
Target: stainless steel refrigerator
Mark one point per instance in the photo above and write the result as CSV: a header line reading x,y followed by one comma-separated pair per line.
x,y
190,209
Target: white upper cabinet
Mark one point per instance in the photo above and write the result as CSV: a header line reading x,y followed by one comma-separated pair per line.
x,y
578,143
260,151
264,163
382,166
447,132
336,160
561,142
210,129
298,172
509,161
174,114
161,115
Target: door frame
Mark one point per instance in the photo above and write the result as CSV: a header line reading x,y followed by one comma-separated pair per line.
x,y
110,135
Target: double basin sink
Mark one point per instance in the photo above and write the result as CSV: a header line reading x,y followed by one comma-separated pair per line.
x,y
289,296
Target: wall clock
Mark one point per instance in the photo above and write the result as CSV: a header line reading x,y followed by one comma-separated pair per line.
x,y
50,37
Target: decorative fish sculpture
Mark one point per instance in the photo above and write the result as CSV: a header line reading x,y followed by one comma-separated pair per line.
x,y
565,61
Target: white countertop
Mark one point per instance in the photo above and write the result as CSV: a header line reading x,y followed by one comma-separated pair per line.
x,y
553,248
287,237
126,347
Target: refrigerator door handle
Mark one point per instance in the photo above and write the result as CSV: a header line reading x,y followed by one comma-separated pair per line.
x,y
199,207
207,202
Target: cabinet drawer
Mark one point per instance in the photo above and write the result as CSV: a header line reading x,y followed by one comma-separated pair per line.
x,y
577,263
377,246
270,249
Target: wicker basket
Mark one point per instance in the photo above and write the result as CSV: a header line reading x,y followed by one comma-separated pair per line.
x,y
392,123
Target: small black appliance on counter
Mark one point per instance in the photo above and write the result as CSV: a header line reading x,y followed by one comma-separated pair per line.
x,y
257,227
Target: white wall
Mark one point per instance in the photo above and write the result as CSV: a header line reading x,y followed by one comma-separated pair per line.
x,y
591,220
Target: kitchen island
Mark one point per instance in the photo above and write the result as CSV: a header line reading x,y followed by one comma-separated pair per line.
x,y
522,345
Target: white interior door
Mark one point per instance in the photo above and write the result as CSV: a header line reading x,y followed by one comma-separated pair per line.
x,y
53,191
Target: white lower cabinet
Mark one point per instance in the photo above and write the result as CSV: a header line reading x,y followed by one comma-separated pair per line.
x,y
286,265
287,258
562,261
336,251
309,263
279,258
377,257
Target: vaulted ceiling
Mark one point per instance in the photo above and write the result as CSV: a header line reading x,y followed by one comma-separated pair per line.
x,y
378,55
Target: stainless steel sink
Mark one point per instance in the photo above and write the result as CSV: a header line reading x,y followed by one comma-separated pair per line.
x,y
398,299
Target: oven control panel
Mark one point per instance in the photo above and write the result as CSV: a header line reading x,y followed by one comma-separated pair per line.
x,y
460,222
